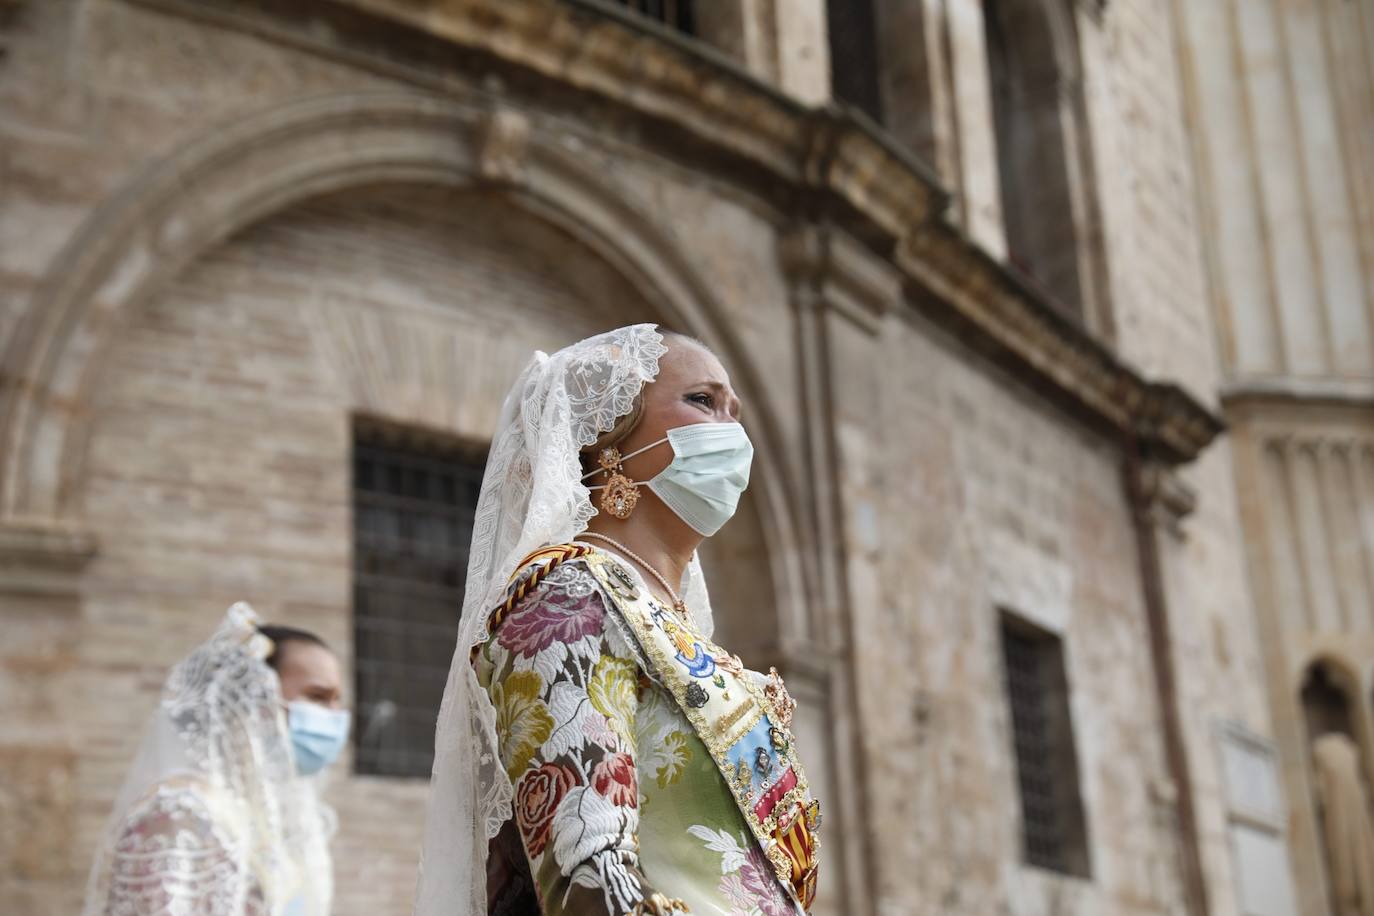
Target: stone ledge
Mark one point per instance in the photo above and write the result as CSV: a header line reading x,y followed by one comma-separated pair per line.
x,y
817,165
42,559
960,286
1282,390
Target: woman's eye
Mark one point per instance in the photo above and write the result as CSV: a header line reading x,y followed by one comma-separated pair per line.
x,y
705,400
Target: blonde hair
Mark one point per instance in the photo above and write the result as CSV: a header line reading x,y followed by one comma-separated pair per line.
x,y
612,437
627,423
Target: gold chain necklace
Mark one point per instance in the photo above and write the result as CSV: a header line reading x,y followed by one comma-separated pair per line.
x,y
678,605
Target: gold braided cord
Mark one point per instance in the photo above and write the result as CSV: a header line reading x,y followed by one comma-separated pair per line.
x,y
556,555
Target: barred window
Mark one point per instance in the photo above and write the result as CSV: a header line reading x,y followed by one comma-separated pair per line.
x,y
1052,826
414,495
679,15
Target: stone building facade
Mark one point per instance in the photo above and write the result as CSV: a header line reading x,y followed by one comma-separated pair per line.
x,y
988,278
1284,156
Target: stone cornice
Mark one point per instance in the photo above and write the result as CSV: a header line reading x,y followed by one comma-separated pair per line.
x,y
1285,391
958,285
826,165
42,559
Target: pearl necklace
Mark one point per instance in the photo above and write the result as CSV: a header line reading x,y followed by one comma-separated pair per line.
x,y
678,604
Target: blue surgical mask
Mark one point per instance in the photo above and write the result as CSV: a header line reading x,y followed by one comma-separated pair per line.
x,y
318,735
709,471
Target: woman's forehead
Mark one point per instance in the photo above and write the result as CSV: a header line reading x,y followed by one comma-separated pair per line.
x,y
304,659
688,361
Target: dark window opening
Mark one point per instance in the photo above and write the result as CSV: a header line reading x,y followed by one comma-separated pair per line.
x,y
1054,835
1034,106
1325,704
853,33
414,495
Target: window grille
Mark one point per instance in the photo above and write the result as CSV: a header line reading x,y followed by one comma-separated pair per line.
x,y
853,33
1053,832
679,15
414,496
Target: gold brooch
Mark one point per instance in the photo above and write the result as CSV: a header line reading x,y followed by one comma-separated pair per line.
x,y
778,697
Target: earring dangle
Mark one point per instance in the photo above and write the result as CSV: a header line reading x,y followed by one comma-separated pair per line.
x,y
621,492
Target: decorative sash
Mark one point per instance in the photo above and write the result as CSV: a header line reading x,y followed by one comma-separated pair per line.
x,y
745,727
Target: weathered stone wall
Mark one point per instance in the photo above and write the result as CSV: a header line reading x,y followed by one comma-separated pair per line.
x,y
1279,103
217,462
907,486
1163,323
982,502
91,95
1139,134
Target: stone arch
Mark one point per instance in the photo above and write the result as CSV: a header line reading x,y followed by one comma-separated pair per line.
x,y
1348,677
1043,153
232,177
1329,696
1338,684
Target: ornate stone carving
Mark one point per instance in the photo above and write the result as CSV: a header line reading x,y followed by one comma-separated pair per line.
x,y
1170,499
505,146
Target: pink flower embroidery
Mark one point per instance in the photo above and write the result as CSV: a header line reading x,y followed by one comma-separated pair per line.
x,y
539,624
536,801
614,777
755,886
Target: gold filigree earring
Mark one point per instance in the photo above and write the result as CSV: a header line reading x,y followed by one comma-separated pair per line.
x,y
621,493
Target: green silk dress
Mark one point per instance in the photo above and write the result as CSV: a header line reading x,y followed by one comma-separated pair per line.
x,y
645,759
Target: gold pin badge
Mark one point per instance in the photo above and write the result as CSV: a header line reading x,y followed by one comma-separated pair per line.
x,y
622,582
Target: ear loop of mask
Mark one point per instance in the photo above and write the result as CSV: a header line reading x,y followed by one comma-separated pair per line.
x,y
623,459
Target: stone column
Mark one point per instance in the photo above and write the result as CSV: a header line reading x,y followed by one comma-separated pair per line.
x,y
1159,501
840,293
40,617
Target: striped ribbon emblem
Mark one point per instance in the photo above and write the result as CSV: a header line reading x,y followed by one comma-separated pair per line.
x,y
794,837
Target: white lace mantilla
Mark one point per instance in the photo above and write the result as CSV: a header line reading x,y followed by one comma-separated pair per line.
x,y
532,496
212,818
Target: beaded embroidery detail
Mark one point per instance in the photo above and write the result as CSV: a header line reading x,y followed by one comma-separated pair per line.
x,y
744,726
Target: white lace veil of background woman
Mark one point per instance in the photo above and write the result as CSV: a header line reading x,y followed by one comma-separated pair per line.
x,y
532,496
212,818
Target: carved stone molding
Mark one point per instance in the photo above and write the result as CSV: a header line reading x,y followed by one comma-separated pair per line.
x,y
177,208
504,146
841,272
42,559
959,285
816,165
1277,391
1168,498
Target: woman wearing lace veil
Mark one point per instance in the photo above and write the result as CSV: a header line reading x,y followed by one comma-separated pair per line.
x,y
596,752
218,815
